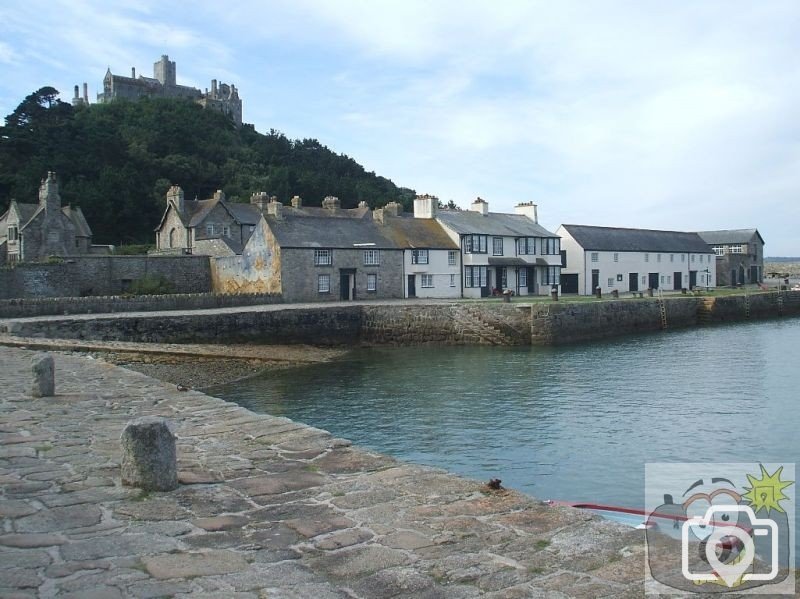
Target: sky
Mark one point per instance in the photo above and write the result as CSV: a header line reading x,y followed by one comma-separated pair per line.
x,y
662,115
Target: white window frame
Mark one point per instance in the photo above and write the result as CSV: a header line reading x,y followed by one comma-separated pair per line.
x,y
323,257
427,281
523,277
372,282
419,257
452,280
647,257
372,257
323,283
497,243
616,257
595,256
451,257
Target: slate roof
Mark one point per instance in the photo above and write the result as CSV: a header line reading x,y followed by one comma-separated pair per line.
x,y
246,214
75,214
729,236
26,212
294,231
409,232
616,239
494,223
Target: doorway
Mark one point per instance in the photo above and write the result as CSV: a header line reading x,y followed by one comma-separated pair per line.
x,y
677,281
652,280
347,279
633,281
412,285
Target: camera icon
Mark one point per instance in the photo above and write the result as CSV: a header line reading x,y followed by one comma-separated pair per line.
x,y
719,534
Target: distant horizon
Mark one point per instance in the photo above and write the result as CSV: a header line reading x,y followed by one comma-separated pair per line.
x,y
635,115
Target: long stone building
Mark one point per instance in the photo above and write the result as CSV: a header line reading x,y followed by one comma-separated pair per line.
x,y
221,97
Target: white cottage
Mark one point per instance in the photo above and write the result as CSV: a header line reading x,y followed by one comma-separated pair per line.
x,y
503,251
630,260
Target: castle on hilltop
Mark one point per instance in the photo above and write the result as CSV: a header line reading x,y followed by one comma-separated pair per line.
x,y
223,98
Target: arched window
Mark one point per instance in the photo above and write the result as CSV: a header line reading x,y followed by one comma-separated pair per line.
x,y
172,238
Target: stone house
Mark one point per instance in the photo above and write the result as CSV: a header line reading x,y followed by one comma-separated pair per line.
x,y
431,259
212,227
502,251
630,260
739,255
33,232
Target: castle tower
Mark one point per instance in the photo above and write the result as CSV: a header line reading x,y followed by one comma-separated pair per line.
x,y
164,70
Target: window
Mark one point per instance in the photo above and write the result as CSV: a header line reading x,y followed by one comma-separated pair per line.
x,y
647,257
226,231
372,257
372,281
497,246
324,283
451,258
616,257
718,250
474,276
551,275
13,233
692,257
610,281
504,278
475,244
551,245
77,243
419,256
523,277
619,277
526,246
427,280
452,280
658,257
252,228
736,249
669,278
662,279
209,230
644,280
672,257
683,257
323,258
595,256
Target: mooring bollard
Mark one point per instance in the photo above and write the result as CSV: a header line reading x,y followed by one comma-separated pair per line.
x,y
148,455
44,377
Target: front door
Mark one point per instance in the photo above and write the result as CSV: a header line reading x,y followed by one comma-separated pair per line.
x,y
344,286
652,280
633,281
692,279
595,280
412,285
677,281
754,278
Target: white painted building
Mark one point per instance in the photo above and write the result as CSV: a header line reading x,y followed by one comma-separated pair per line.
x,y
503,251
630,260
431,259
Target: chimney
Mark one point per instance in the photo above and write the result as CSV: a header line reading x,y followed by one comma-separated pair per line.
x,y
393,209
527,209
377,215
480,205
297,202
362,204
213,88
85,92
77,96
175,197
425,206
275,208
48,193
219,195
133,72
260,199
331,203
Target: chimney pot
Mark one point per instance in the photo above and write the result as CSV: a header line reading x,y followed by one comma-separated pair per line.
x,y
480,205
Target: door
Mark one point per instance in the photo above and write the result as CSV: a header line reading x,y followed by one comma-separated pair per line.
x,y
344,286
733,278
595,280
692,279
412,285
754,278
677,281
569,283
633,281
652,280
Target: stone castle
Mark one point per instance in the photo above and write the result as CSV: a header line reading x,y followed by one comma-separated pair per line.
x,y
222,97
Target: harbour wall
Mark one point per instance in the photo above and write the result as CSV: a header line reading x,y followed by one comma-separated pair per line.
x,y
403,323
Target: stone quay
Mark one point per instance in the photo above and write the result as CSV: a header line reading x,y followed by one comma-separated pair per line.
x,y
265,507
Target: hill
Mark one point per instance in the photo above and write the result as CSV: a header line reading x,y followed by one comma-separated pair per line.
x,y
116,161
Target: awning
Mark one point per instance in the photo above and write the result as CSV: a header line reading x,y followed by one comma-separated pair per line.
x,y
508,262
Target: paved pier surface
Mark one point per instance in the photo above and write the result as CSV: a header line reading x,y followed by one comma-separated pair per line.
x,y
266,508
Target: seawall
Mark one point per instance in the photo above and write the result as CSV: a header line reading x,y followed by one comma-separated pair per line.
x,y
409,323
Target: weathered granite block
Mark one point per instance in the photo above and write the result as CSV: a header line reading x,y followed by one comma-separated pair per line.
x,y
148,455
44,382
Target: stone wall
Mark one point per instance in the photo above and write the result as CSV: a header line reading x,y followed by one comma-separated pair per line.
x,y
256,270
28,307
733,308
102,275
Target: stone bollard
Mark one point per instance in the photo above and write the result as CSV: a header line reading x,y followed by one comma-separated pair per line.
x,y
148,455
44,377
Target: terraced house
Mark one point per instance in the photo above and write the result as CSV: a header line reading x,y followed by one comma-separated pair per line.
x,y
740,255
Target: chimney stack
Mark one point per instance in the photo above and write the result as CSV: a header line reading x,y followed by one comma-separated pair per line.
x,y
297,202
275,208
331,203
213,88
175,197
260,199
85,92
133,72
480,205
527,209
393,209
77,96
425,206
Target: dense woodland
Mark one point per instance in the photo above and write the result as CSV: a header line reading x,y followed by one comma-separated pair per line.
x,y
116,161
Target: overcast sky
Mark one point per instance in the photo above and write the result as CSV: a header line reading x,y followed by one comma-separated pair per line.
x,y
668,115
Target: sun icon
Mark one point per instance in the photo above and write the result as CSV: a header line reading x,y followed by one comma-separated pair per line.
x,y
766,492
